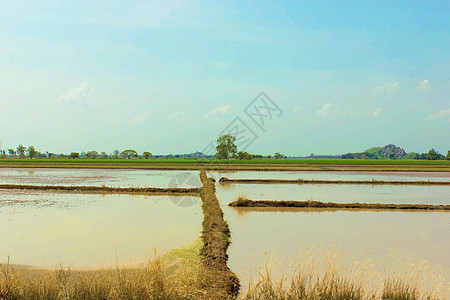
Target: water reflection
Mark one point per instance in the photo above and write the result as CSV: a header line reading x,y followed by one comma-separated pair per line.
x,y
81,230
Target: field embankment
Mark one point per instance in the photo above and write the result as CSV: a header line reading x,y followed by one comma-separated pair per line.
x,y
235,165
105,189
216,239
225,180
317,204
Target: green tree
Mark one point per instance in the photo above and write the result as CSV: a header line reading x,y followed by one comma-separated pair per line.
x,y
129,153
448,155
92,154
31,152
244,155
21,150
74,155
433,155
226,146
11,152
147,155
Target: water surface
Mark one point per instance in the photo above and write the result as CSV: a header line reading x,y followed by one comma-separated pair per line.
x,y
82,230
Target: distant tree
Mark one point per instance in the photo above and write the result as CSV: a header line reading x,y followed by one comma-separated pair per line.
x,y
116,153
104,155
11,152
92,154
448,155
279,155
74,155
129,153
147,155
226,146
21,151
348,156
83,154
31,152
244,155
433,154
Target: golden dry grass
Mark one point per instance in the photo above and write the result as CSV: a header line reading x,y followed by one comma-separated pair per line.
x,y
319,275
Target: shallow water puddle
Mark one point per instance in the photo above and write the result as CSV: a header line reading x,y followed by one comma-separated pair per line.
x,y
82,231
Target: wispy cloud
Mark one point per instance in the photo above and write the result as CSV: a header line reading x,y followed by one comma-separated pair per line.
x,y
325,110
142,117
178,116
221,64
443,115
377,112
221,109
78,94
298,108
424,85
389,87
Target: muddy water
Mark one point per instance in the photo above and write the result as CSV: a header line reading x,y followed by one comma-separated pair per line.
x,y
99,177
362,234
81,231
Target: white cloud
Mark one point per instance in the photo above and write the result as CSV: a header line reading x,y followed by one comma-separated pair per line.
x,y
389,87
142,117
221,64
222,109
424,85
325,110
440,115
376,113
298,108
178,117
78,94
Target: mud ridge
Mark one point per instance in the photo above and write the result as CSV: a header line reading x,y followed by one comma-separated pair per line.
x,y
102,189
317,204
225,180
216,239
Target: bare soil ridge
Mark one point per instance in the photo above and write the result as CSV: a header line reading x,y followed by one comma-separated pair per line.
x,y
225,180
216,240
317,204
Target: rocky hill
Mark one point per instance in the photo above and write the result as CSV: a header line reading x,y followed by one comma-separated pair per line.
x,y
388,151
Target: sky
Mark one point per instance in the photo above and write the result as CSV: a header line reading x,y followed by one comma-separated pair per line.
x,y
170,76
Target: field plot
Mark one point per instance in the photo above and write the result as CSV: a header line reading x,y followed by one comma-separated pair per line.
x,y
99,177
85,231
390,238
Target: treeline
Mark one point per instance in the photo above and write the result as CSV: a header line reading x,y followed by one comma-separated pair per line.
x,y
30,152
431,155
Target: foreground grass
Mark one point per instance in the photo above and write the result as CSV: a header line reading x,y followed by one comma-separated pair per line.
x,y
319,275
158,278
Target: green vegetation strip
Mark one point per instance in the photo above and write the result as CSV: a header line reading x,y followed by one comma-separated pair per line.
x,y
235,165
216,239
103,189
316,204
225,180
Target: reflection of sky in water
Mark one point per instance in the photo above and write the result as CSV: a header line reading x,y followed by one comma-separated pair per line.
x,y
99,177
82,230
373,234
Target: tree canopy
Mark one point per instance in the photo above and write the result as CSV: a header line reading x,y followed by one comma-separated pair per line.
x,y
226,146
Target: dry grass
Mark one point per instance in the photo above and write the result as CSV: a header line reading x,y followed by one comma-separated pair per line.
x,y
152,280
318,275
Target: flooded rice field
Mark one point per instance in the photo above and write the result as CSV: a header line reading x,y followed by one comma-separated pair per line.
x,y
99,177
387,237
45,229
83,231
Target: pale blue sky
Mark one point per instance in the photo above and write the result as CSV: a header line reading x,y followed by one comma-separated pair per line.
x,y
168,76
